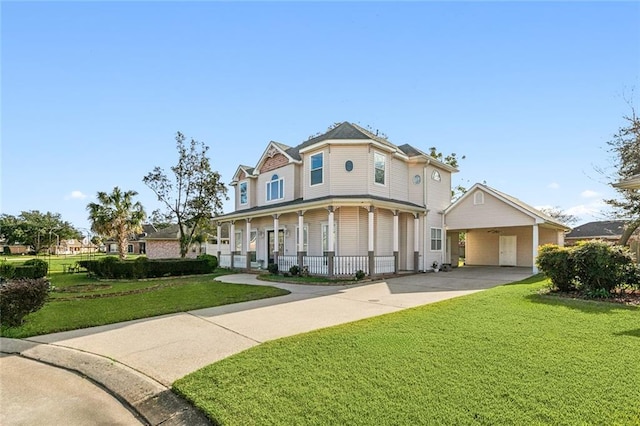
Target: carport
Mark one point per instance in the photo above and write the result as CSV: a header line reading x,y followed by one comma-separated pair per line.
x,y
500,229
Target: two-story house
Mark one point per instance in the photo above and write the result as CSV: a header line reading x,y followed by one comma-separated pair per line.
x,y
344,201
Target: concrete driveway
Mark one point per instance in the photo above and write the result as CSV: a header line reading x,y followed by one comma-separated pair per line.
x,y
166,348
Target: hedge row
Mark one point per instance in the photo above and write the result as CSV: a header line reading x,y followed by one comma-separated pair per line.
x,y
31,269
18,298
592,266
112,268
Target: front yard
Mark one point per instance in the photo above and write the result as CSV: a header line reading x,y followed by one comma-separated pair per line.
x,y
79,302
508,355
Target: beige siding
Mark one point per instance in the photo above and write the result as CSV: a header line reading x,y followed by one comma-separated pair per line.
x,y
493,213
399,179
354,182
415,191
438,192
320,190
374,188
383,232
481,248
288,173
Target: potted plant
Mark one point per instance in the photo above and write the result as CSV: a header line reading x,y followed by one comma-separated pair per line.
x,y
435,266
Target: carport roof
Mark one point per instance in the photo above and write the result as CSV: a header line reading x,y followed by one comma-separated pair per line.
x,y
540,217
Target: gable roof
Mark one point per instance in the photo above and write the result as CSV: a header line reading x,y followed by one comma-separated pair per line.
x,y
514,202
598,229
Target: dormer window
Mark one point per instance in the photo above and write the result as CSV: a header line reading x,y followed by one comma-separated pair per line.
x,y
244,190
379,167
275,188
317,169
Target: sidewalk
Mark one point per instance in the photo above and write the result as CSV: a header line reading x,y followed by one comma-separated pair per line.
x,y
153,353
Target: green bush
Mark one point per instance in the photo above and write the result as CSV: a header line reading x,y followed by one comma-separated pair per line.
x,y
360,274
7,270
211,260
557,264
599,265
273,268
40,267
20,297
113,268
294,270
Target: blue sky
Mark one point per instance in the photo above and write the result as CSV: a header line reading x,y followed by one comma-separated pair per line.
x,y
94,92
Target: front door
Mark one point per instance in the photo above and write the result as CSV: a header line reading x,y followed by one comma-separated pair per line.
x,y
271,243
508,250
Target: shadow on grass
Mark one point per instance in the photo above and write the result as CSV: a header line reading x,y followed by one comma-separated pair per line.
x,y
533,279
584,305
632,333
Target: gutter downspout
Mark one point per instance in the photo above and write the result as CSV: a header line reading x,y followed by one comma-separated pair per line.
x,y
426,211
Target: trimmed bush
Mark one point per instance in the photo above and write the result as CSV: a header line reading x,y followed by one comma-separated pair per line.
x,y
113,268
557,264
7,270
211,260
599,265
294,270
360,274
40,267
18,298
273,268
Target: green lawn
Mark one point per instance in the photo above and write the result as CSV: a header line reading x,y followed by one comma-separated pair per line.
x,y
79,301
503,356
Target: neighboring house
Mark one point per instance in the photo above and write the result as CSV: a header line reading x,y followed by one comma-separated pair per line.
x,y
135,243
73,247
165,244
18,248
604,230
632,183
344,201
500,229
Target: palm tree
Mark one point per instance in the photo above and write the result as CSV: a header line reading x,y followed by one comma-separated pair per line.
x,y
116,216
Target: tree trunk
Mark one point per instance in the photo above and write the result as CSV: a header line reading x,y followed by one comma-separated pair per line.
x,y
628,231
122,244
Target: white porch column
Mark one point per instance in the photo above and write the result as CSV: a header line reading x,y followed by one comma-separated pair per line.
x,y
219,236
248,243
535,247
370,242
330,243
300,231
416,243
232,236
276,237
396,239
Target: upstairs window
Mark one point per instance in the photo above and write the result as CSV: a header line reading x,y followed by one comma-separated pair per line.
x,y
317,168
379,162
243,193
275,188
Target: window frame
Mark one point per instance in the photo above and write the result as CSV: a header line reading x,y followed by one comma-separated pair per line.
x,y
478,200
279,181
437,239
246,192
312,170
377,154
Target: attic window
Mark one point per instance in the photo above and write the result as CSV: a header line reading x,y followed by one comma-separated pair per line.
x,y
436,176
478,197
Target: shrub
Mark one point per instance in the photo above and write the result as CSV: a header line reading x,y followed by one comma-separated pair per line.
x,y
6,251
294,270
211,260
360,274
557,264
18,298
273,268
40,267
113,268
304,272
7,270
599,265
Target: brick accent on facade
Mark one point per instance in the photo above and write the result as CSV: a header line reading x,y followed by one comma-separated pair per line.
x,y
167,249
274,162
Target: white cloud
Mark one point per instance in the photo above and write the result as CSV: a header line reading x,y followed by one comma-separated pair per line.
x,y
589,194
553,185
75,195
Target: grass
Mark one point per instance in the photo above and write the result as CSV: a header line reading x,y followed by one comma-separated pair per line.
x,y
503,356
92,302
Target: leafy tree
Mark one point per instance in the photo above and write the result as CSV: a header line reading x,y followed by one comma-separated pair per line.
x,y
625,147
193,195
116,216
557,214
452,160
36,229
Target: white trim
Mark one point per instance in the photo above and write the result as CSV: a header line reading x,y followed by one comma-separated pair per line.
x,y
246,202
267,189
431,239
311,184
375,168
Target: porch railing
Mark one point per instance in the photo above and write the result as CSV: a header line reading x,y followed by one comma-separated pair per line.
x,y
317,265
385,264
349,265
225,261
286,262
239,261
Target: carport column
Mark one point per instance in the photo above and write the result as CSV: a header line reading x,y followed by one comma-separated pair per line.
x,y
276,238
416,243
232,240
248,243
219,236
535,247
396,238
300,238
372,260
330,243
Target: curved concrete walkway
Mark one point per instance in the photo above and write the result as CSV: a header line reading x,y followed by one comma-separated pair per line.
x,y
138,360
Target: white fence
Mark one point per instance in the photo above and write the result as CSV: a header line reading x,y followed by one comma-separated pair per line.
x,y
349,265
225,261
385,264
316,265
240,261
286,262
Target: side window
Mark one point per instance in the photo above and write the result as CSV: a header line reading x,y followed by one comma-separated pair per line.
x,y
379,166
436,239
317,169
244,193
